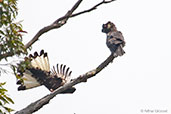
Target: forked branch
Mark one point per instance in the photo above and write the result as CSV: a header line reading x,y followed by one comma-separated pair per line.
x,y
58,23
62,20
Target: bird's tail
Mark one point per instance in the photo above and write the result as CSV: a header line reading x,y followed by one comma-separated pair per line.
x,y
119,51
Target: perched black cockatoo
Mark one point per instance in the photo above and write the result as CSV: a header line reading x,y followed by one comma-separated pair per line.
x,y
115,40
37,72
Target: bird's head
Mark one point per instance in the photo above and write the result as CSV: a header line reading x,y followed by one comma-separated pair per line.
x,y
108,27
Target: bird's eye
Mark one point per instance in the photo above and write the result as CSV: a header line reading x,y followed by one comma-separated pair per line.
x,y
104,26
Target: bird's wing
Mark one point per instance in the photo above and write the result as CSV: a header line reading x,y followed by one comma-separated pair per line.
x,y
116,38
61,72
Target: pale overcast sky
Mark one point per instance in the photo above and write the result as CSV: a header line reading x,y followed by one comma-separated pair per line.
x,y
138,81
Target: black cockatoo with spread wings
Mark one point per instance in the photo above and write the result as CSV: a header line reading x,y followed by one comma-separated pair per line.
x,y
115,40
35,71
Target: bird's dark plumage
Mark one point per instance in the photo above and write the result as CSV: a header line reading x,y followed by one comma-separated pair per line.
x,y
37,73
115,40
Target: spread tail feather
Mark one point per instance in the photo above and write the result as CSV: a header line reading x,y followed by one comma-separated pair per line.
x,y
27,81
40,61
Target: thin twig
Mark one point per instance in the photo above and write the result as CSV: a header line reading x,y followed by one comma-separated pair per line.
x,y
93,8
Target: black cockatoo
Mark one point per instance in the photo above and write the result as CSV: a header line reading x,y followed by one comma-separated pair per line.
x,y
115,40
37,72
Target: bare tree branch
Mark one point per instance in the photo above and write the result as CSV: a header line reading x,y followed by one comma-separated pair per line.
x,y
35,106
58,23
6,55
62,20
93,8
